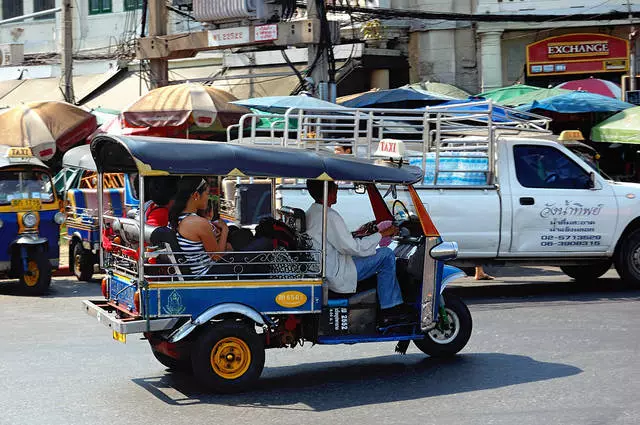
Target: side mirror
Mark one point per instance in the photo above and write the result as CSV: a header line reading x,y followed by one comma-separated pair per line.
x,y
592,180
446,251
360,189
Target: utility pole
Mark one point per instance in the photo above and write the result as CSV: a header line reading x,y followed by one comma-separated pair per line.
x,y
320,72
66,61
158,27
632,51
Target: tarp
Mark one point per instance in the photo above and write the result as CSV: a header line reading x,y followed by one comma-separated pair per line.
x,y
623,127
151,156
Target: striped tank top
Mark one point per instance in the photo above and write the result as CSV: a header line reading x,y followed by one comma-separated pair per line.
x,y
194,253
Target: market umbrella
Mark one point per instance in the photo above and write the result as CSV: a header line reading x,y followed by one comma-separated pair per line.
x,y
577,102
532,96
594,85
623,127
504,93
392,98
479,106
45,127
280,104
444,89
200,108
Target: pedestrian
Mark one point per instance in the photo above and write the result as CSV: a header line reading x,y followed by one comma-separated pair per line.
x,y
481,275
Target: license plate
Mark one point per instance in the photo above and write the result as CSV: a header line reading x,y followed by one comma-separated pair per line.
x,y
26,204
120,337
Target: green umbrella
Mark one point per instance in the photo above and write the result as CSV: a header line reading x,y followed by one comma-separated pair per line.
x,y
623,127
439,88
504,93
536,95
277,120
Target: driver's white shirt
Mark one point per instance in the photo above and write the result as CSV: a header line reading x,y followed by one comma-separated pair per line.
x,y
341,246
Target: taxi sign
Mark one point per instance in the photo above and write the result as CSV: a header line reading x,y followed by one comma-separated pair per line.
x,y
390,148
570,135
19,153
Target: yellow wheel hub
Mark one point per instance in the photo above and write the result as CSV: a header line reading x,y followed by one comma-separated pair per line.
x,y
76,264
31,279
230,358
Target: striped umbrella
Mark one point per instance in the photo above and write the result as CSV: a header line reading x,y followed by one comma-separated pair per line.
x,y
594,85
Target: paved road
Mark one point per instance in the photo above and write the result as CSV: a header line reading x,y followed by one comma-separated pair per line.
x,y
540,353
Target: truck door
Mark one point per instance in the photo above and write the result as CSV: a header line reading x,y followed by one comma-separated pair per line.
x,y
554,209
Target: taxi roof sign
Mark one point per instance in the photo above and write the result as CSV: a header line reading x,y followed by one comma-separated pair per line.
x,y
390,148
21,152
570,135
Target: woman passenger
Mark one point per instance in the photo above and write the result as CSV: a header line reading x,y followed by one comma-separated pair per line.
x,y
195,234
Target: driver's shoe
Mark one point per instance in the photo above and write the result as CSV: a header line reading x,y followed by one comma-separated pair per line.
x,y
394,316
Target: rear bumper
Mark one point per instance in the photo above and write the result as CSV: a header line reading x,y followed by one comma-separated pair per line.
x,y
104,313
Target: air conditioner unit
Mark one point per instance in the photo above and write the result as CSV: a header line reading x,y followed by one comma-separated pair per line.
x,y
216,11
11,54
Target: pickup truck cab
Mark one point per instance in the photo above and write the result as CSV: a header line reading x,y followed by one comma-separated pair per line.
x,y
492,183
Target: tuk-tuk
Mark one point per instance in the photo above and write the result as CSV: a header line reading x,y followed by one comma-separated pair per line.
x,y
217,325
77,180
30,219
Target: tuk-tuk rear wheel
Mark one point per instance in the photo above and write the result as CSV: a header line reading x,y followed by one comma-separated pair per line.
x,y
37,279
81,262
228,357
447,340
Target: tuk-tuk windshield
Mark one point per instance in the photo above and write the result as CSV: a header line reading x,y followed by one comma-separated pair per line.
x,y
26,184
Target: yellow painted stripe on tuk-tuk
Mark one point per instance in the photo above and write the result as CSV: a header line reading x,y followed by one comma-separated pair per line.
x,y
234,284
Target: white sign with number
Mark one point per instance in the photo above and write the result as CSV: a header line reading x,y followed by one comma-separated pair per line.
x,y
229,36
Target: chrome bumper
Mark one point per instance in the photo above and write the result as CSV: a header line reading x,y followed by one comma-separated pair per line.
x,y
105,315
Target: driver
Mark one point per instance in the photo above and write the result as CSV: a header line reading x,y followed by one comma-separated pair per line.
x,y
350,260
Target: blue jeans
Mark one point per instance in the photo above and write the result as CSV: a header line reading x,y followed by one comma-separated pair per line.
x,y
382,263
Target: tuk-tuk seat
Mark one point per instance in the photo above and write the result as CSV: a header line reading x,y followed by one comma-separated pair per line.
x,y
84,202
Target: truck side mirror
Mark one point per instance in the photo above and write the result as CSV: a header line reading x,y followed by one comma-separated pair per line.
x,y
592,180
359,188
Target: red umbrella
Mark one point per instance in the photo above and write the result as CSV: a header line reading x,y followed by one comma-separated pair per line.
x,y
594,85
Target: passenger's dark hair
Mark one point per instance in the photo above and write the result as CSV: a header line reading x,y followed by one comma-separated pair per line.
x,y
316,189
162,189
184,189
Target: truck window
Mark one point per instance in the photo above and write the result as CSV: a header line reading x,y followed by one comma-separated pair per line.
x,y
548,168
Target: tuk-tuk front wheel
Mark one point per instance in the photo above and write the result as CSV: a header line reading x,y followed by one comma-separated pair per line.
x,y
451,333
81,262
228,357
37,279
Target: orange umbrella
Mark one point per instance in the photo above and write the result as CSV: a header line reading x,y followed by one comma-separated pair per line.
x,y
208,109
45,127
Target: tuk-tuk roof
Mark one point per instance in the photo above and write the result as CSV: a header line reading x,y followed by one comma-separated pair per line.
x,y
6,161
79,157
152,156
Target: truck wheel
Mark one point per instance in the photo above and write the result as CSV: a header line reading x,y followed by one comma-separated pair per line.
x,y
445,340
182,365
81,262
587,272
627,261
38,278
228,357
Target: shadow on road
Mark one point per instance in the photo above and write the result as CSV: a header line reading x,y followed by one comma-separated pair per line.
x,y
60,288
338,385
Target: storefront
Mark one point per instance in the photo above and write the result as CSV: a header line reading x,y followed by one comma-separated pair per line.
x,y
572,56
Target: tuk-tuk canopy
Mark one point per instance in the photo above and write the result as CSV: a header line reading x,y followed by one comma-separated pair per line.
x,y
79,157
151,156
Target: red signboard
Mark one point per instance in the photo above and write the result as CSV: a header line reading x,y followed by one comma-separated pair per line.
x,y
577,54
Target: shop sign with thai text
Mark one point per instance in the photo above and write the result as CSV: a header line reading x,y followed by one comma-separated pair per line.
x,y
577,54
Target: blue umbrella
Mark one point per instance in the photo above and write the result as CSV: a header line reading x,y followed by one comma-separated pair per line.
x,y
280,104
577,102
399,95
479,106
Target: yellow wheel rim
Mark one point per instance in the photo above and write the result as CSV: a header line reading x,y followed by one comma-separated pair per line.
x,y
230,358
76,264
32,279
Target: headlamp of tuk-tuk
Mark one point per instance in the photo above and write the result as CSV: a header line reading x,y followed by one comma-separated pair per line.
x,y
29,220
59,218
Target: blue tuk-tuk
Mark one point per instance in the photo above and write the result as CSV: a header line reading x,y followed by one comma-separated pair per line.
x,y
217,325
30,219
77,182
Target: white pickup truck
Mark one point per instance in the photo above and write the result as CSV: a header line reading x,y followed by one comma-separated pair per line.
x,y
493,184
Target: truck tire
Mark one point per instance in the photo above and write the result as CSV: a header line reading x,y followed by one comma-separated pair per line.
x,y
81,262
627,260
182,365
440,342
38,278
587,272
228,357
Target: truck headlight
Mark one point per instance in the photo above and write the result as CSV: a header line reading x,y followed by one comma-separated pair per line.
x,y
59,217
29,220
